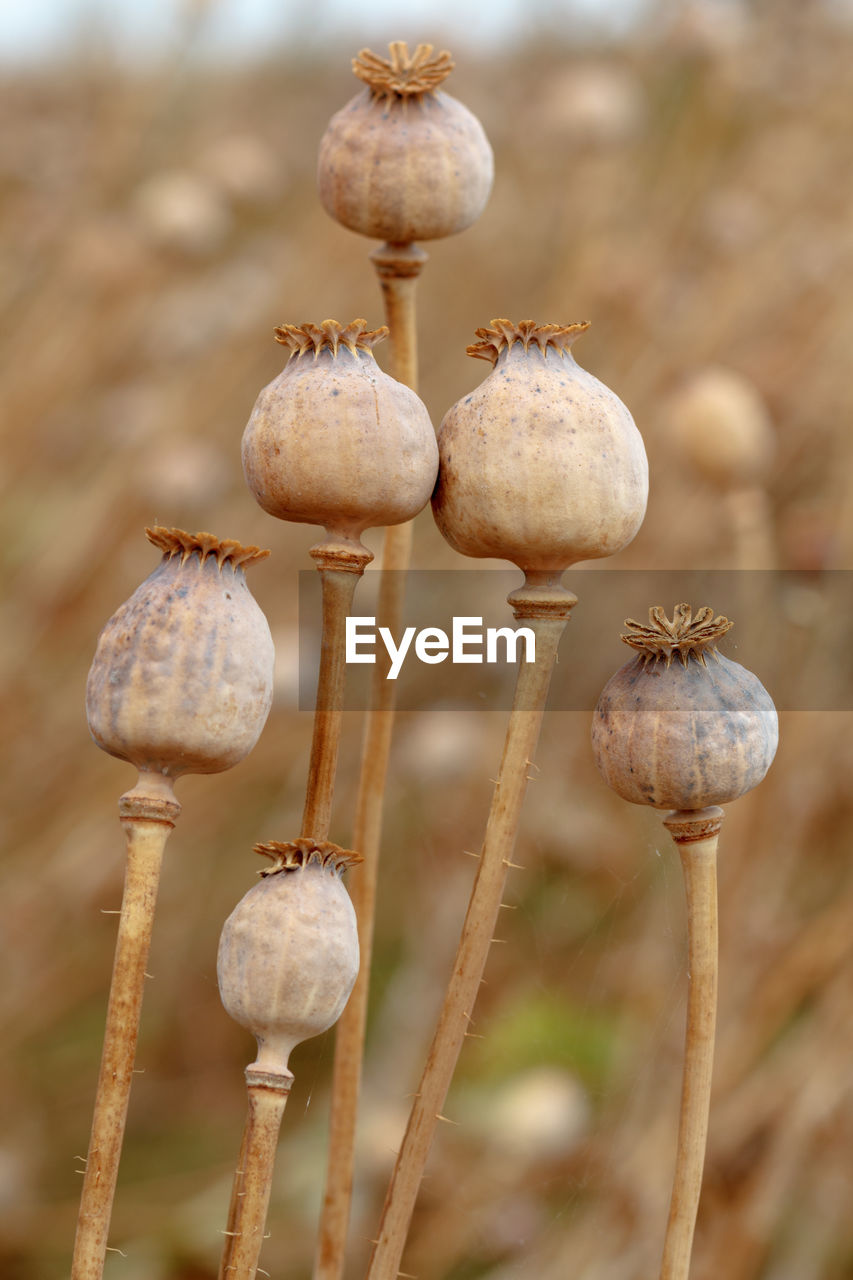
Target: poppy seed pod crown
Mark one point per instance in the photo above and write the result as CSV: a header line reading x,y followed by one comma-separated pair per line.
x,y
336,442
681,726
403,161
182,677
288,954
542,463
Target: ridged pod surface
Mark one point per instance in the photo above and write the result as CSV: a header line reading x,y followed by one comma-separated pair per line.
x,y
182,677
336,442
681,726
403,161
542,464
288,954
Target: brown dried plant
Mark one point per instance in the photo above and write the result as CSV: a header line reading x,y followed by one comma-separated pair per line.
x,y
130,349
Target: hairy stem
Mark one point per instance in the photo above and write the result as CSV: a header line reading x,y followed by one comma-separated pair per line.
x,y
398,268
250,1197
148,813
546,612
696,834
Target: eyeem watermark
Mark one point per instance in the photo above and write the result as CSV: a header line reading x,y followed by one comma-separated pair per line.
x,y
467,642
793,629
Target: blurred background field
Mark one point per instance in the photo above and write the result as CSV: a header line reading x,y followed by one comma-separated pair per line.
x,y
687,186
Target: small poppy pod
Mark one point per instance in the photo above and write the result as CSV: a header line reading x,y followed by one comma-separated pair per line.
x,y
336,442
182,677
541,464
288,954
681,726
403,161
723,428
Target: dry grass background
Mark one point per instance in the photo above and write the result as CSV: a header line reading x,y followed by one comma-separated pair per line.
x,y
688,192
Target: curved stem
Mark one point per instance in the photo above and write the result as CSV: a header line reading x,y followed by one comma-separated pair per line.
x,y
250,1196
696,834
148,813
546,612
398,268
341,565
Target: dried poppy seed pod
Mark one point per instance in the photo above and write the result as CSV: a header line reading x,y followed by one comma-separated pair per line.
x,y
403,161
288,955
182,676
335,441
722,426
541,464
683,734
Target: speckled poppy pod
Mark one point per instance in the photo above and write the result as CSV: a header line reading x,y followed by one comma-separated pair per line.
x,y
288,954
182,676
542,464
333,440
681,726
403,161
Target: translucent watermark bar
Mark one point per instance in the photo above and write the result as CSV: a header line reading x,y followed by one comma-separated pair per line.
x,y
459,645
